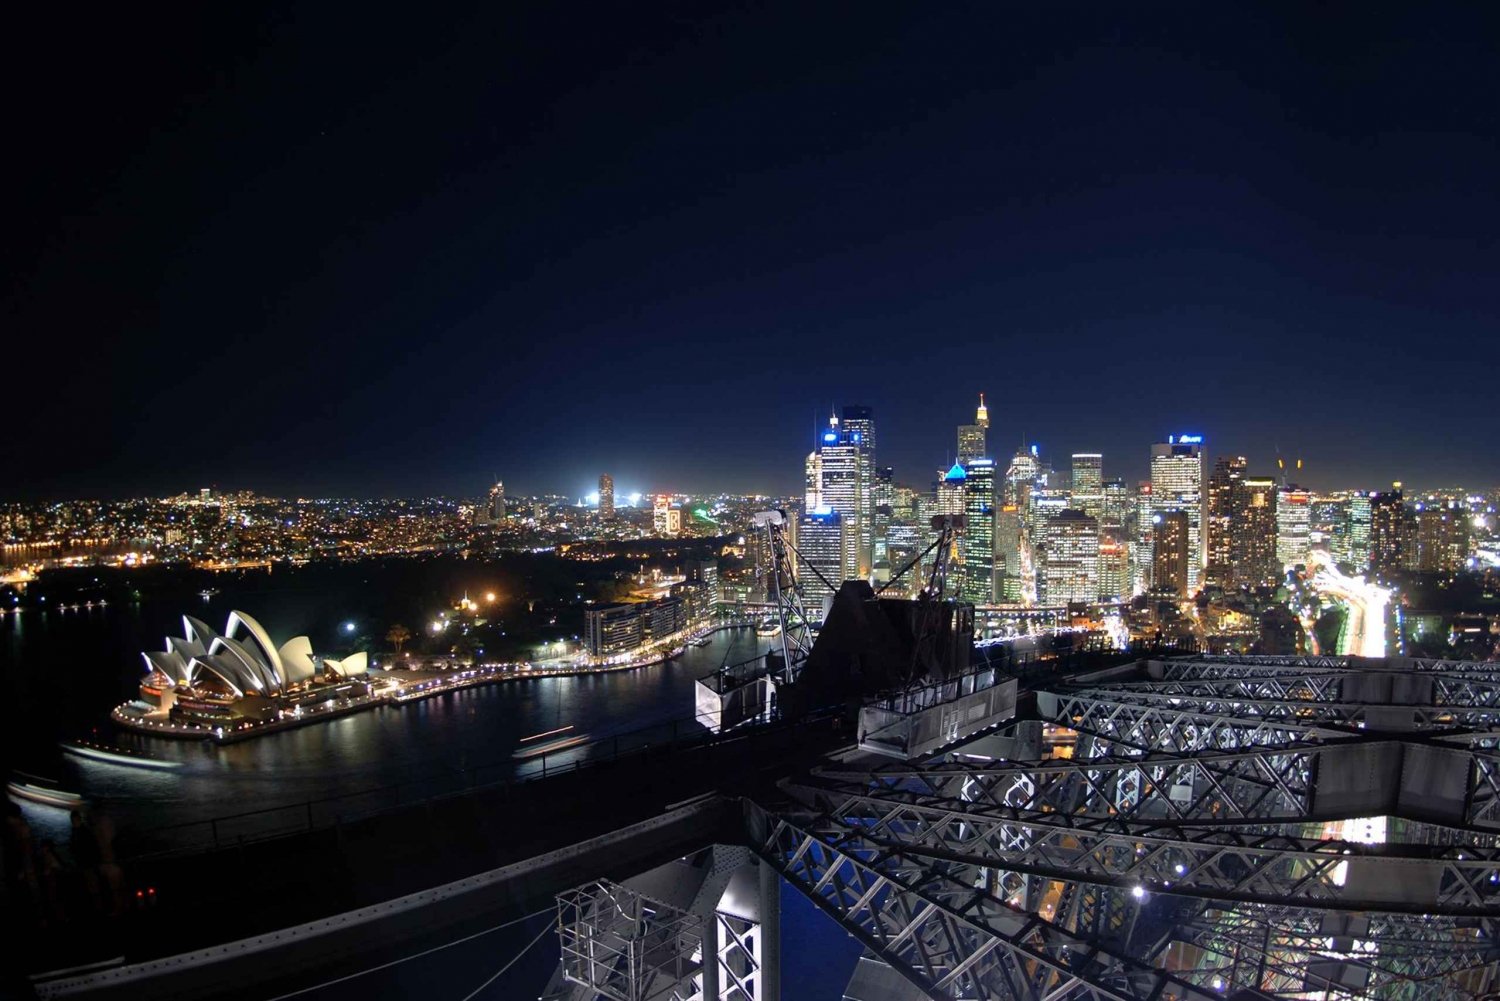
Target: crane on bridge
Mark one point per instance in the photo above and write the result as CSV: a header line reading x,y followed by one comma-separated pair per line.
x,y
746,693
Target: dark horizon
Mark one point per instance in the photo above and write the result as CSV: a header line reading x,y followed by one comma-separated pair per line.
x,y
307,255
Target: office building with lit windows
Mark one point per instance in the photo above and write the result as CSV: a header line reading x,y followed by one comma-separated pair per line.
x,y
881,512
1020,481
1356,545
1222,512
1139,537
1114,566
1171,551
972,438
1293,525
1255,533
812,470
1069,559
823,542
844,469
1177,485
495,506
1118,504
1442,539
950,494
661,512
859,430
978,541
1387,532
606,496
1009,567
1086,484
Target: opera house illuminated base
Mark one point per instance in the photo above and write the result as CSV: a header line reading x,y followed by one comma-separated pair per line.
x,y
208,684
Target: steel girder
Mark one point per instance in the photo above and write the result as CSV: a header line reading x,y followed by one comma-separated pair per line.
x,y
1246,717
951,935
1258,786
1465,690
1280,694
1340,663
1250,865
1400,958
1131,853
1187,832
951,939
1160,726
1195,704
1247,786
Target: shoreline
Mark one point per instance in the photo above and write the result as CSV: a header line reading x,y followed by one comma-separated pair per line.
x,y
413,692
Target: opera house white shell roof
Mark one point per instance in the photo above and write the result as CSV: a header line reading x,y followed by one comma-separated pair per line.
x,y
242,658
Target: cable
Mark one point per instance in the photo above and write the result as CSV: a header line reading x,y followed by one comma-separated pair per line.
x,y
513,961
418,955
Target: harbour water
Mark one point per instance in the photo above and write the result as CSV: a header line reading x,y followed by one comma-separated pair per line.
x,y
64,671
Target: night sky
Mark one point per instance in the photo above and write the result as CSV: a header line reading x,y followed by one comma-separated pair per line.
x,y
402,249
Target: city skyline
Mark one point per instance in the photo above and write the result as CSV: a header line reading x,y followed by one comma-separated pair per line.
x,y
1132,465
534,250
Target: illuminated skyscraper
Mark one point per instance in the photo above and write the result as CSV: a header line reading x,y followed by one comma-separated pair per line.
x,y
1008,564
1387,532
1293,525
1327,525
840,476
859,430
1442,537
1046,504
496,506
1224,503
1357,530
842,488
822,539
978,545
1171,543
1241,529
661,507
1254,534
813,477
972,437
1114,565
884,491
1020,478
1069,565
1086,484
1139,539
606,497
1117,504
951,495
1177,485
1020,481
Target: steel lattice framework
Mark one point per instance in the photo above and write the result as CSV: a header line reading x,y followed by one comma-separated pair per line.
x,y
1308,827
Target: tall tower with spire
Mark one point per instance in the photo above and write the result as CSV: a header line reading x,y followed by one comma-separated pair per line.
x,y
972,442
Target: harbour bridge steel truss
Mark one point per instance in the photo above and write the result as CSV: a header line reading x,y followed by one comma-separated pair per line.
x,y
1298,827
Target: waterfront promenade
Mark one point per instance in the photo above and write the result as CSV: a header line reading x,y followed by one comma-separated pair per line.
x,y
400,686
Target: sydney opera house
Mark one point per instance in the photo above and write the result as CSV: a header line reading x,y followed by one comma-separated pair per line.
x,y
206,679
